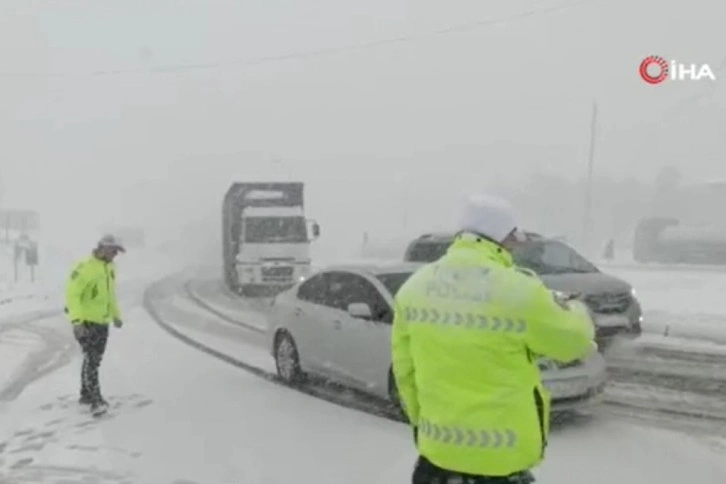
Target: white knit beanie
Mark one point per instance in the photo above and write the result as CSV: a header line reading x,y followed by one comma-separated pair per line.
x,y
489,216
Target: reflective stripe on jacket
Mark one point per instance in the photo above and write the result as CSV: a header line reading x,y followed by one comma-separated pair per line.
x,y
91,292
465,334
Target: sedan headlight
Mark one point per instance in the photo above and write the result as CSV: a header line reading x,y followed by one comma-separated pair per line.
x,y
633,293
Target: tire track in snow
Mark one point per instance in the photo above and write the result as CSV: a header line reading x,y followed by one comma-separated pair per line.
x,y
54,351
697,373
189,292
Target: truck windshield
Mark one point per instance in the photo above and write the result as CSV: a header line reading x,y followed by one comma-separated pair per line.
x,y
275,230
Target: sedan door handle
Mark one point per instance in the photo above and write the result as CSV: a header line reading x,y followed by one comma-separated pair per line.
x,y
337,325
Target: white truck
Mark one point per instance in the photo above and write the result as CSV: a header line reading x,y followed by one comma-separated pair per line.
x,y
266,244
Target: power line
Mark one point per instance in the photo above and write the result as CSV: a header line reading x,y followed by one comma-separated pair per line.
x,y
180,68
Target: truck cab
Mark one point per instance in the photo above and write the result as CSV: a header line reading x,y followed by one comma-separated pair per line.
x,y
274,247
266,243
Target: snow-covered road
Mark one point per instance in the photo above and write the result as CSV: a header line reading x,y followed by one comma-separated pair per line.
x,y
685,303
183,417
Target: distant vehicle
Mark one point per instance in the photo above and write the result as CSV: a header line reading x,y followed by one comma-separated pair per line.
x,y
691,229
266,237
613,302
336,325
665,240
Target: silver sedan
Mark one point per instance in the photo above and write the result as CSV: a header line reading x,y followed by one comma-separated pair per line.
x,y
336,325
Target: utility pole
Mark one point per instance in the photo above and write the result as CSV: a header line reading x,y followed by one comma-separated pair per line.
x,y
587,222
405,208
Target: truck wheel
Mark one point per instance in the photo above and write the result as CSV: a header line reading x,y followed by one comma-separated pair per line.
x,y
287,360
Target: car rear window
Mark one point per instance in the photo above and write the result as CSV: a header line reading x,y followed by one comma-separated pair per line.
x,y
427,251
393,281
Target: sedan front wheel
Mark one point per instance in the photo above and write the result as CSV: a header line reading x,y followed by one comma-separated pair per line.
x,y
394,397
287,360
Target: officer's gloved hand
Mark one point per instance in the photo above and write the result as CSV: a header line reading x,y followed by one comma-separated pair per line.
x,y
561,299
118,323
594,347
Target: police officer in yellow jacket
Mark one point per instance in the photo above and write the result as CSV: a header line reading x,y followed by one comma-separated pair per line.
x,y
466,334
91,305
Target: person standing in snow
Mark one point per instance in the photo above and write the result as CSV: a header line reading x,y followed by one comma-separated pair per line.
x,y
91,305
466,335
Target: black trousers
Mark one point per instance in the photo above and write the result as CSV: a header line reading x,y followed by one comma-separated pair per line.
x,y
426,472
93,340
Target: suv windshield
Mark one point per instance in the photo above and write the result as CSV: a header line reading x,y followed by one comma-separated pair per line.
x,y
427,251
541,256
394,281
275,230
551,257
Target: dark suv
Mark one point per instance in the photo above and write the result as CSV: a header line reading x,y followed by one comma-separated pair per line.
x,y
616,309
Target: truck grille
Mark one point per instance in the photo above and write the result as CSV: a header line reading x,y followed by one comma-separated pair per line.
x,y
277,274
279,259
609,303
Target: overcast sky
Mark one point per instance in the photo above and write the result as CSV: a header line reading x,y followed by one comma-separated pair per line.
x,y
443,103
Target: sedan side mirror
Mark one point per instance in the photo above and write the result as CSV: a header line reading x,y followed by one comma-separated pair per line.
x,y
360,310
316,230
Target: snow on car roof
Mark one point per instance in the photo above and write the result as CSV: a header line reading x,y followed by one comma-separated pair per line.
x,y
377,268
447,236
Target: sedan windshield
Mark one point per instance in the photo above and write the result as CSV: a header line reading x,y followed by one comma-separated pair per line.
x,y
393,281
551,257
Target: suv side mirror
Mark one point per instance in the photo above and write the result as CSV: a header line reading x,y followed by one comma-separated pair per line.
x,y
360,310
316,230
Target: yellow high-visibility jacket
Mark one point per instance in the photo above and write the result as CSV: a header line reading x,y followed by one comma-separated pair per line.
x,y
91,292
464,338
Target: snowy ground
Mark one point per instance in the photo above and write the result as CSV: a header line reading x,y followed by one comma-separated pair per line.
x,y
183,417
681,303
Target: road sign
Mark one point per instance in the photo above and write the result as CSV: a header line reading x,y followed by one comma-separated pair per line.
x,y
26,250
18,220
